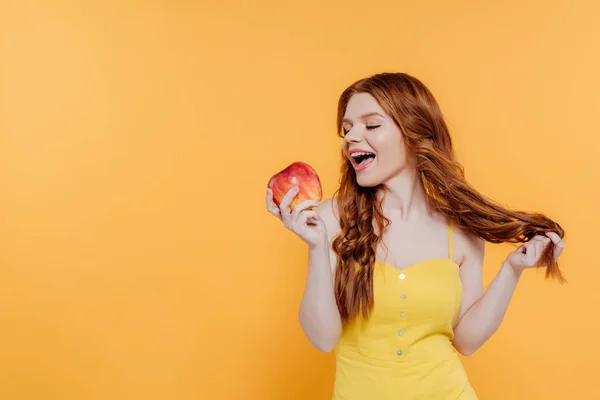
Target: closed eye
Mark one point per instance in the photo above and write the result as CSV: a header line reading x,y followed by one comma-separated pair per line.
x,y
369,128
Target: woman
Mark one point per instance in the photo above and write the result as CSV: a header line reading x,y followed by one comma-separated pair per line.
x,y
394,279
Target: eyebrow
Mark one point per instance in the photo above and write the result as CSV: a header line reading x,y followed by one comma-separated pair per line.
x,y
371,114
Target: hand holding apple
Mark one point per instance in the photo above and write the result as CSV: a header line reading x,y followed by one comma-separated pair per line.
x,y
297,187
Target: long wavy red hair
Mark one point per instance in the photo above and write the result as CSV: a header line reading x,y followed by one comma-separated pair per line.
x,y
362,222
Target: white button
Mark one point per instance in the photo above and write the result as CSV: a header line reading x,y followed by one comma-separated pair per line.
x,y
400,333
399,352
402,276
402,296
402,315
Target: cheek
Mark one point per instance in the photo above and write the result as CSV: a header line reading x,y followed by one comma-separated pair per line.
x,y
390,150
392,158
387,139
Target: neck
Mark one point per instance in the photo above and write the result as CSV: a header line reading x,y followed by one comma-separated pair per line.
x,y
404,197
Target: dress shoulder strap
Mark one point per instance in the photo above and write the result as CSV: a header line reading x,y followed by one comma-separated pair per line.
x,y
450,226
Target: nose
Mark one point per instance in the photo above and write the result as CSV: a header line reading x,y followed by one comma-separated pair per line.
x,y
353,136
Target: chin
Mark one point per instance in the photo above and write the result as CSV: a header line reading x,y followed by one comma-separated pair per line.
x,y
369,177
367,182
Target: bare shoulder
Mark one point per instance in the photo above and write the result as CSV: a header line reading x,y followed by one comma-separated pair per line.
x,y
469,248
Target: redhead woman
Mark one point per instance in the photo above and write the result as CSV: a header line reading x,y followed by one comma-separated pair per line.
x,y
394,281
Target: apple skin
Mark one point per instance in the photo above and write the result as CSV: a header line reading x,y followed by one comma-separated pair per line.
x,y
296,174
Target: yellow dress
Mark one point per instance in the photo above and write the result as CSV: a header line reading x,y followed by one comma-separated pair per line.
x,y
404,350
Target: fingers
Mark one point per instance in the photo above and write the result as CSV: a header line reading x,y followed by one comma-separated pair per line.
x,y
271,206
530,253
536,246
541,243
303,205
558,243
284,206
312,218
542,239
539,249
300,215
554,237
298,221
295,219
311,215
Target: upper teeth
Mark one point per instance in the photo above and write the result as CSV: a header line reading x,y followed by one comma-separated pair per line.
x,y
355,155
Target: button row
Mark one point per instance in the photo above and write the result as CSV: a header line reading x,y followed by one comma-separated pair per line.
x,y
402,276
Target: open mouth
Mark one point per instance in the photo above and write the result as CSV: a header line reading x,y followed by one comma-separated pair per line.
x,y
362,160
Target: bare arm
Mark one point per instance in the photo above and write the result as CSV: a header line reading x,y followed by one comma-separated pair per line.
x,y
481,314
319,315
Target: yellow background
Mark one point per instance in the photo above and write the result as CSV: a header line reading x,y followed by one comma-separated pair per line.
x,y
138,260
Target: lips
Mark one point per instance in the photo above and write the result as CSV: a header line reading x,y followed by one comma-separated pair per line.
x,y
361,159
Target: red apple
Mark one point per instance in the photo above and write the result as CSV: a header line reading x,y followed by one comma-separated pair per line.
x,y
297,174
